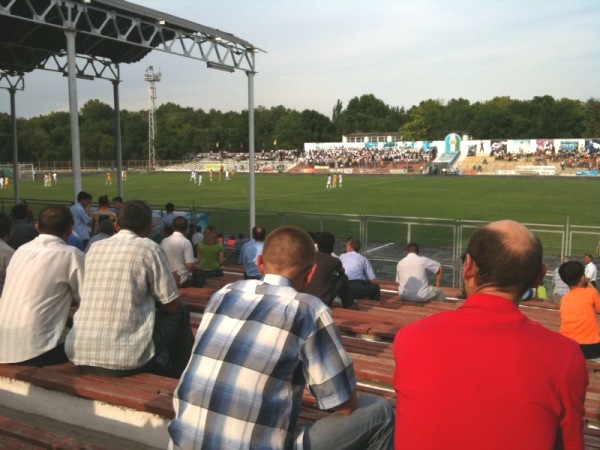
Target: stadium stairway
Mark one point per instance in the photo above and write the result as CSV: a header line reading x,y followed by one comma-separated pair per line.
x,y
139,407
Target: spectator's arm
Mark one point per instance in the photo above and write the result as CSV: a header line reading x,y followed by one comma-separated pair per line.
x,y
348,406
171,307
438,276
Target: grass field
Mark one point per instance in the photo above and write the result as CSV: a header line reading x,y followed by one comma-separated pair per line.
x,y
550,200
306,202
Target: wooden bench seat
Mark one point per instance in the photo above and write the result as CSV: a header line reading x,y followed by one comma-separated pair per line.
x,y
16,434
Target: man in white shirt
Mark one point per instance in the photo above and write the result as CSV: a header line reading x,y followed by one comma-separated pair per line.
x,y
42,281
590,270
180,254
411,275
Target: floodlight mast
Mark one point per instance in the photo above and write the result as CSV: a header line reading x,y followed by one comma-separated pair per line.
x,y
152,77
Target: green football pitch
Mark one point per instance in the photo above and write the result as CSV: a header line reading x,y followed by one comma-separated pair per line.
x,y
547,200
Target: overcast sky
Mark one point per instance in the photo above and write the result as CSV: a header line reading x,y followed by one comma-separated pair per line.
x,y
401,51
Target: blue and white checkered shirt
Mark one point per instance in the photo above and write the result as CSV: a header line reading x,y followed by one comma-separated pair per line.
x,y
259,344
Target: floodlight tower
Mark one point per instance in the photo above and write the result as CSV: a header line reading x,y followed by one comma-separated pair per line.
x,y
152,77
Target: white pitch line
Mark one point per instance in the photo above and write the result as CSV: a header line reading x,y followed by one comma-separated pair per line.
x,y
380,247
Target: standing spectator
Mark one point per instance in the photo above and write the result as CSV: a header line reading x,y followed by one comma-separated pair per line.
x,y
578,308
43,280
259,343
118,329
484,375
411,275
6,251
250,252
103,212
180,254
590,270
361,277
169,214
117,203
211,254
81,217
23,230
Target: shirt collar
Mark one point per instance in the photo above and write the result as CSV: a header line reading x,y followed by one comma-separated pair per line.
x,y
489,302
277,280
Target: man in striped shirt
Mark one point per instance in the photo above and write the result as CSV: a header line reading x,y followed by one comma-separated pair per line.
x,y
260,342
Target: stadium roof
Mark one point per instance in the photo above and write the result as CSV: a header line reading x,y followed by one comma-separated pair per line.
x,y
31,31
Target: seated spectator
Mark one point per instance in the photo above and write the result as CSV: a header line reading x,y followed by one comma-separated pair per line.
x,y
24,231
250,251
43,280
106,230
6,251
103,212
117,203
130,310
484,376
361,277
329,280
578,309
259,344
211,254
559,287
411,275
180,255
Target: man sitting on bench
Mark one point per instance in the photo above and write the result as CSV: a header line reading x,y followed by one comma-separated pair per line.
x,y
484,375
260,342
43,280
130,318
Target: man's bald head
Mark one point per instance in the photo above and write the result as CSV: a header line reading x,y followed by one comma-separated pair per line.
x,y
288,251
508,257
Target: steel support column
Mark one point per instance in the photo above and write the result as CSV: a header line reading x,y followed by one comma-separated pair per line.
x,y
74,112
251,149
118,138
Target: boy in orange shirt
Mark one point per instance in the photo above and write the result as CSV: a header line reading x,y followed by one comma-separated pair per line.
x,y
578,310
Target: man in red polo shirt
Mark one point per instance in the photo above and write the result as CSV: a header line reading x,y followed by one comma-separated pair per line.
x,y
485,376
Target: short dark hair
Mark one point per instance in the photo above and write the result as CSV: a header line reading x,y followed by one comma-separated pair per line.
x,y
571,272
83,196
180,223
325,242
170,207
354,244
412,247
500,266
6,224
135,215
259,233
19,211
117,199
103,200
589,255
107,226
56,220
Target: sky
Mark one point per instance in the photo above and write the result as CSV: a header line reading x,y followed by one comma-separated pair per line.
x,y
401,51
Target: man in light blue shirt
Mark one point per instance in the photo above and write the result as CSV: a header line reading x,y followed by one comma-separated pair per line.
x,y
81,219
361,277
250,252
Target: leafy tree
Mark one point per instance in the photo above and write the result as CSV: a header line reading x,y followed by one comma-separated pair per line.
x,y
592,118
416,128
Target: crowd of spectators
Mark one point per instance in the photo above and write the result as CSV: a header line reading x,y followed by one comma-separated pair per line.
x,y
339,157
581,158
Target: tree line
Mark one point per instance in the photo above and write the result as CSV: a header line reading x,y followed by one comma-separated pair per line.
x,y
182,131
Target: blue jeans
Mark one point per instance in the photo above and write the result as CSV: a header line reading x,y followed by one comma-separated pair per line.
x,y
369,427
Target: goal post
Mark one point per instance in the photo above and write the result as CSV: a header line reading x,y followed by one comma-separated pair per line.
x,y
25,171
